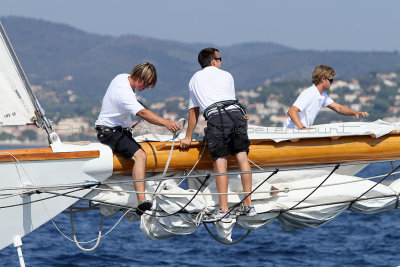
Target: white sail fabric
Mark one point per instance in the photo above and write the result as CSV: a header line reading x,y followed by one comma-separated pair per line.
x,y
374,129
16,107
333,196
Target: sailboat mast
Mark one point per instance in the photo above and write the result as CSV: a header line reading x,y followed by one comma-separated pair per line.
x,y
52,135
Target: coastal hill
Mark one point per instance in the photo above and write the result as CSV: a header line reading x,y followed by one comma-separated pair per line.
x,y
63,58
69,71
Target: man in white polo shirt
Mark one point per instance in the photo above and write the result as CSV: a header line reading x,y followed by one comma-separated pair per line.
x,y
212,90
114,122
309,103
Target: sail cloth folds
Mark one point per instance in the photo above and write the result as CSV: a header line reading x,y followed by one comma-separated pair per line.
x,y
16,107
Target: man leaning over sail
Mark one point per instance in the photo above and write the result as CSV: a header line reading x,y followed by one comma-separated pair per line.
x,y
309,103
113,123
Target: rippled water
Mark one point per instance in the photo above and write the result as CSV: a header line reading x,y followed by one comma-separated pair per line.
x,y
349,240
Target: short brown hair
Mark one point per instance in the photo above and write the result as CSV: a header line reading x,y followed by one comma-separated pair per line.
x,y
145,71
206,56
320,72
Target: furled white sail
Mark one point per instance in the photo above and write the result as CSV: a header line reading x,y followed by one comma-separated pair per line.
x,y
16,107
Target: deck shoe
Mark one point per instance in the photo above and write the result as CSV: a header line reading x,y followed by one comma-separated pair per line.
x,y
143,206
247,211
218,215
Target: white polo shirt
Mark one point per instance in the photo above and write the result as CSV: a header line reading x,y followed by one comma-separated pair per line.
x,y
119,103
210,85
310,102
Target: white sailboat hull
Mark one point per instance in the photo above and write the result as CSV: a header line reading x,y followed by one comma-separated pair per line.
x,y
22,213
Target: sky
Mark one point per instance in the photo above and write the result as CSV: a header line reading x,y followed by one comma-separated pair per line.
x,y
355,25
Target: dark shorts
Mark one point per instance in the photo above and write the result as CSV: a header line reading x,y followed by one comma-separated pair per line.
x,y
227,137
120,141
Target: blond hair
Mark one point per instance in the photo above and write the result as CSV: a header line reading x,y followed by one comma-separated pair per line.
x,y
320,72
145,71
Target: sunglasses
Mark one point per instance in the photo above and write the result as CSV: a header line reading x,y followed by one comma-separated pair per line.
x,y
330,80
218,58
148,84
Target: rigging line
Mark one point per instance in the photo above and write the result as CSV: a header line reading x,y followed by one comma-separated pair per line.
x,y
18,194
34,201
202,194
359,180
334,169
392,163
181,209
377,183
226,243
131,191
195,176
86,199
85,242
157,178
237,205
194,166
76,240
81,209
174,136
255,164
72,185
43,187
18,163
327,204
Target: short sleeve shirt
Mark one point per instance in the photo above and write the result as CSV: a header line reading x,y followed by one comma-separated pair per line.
x,y
119,103
309,102
210,85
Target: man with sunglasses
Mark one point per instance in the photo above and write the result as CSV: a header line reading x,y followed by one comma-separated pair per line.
x,y
114,122
212,90
309,103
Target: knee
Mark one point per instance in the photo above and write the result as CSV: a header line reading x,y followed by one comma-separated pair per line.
x,y
140,155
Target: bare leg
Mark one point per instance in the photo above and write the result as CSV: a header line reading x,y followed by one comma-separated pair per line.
x,y
139,172
220,166
244,165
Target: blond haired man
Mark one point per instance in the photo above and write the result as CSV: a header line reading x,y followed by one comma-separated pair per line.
x,y
309,103
114,121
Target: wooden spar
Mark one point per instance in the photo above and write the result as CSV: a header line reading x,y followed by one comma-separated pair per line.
x,y
45,153
267,153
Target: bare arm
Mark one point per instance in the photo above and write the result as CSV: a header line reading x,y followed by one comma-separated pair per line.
x,y
293,113
346,111
192,122
153,118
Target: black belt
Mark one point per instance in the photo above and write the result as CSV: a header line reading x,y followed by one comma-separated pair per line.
x,y
105,129
223,105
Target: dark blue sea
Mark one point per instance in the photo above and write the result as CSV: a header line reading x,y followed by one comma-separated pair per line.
x,y
349,240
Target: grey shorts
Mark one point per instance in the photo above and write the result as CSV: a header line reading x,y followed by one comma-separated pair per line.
x,y
225,135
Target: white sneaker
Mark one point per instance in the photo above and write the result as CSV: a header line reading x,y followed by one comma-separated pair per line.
x,y
218,215
247,211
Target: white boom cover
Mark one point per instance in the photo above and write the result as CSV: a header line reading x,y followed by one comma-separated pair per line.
x,y
16,107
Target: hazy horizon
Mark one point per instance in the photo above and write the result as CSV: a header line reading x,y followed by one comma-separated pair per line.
x,y
313,24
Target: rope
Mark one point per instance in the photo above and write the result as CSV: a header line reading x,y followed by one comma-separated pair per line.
x,y
226,243
75,239
375,184
238,204
334,169
392,163
81,242
326,204
194,166
174,136
181,209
